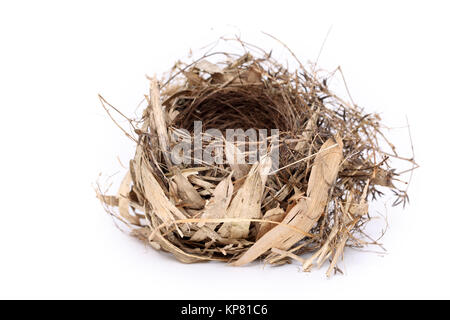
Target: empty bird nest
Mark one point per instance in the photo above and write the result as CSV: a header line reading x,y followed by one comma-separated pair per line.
x,y
299,191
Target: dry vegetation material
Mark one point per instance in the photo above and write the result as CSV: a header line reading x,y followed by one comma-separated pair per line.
x,y
308,210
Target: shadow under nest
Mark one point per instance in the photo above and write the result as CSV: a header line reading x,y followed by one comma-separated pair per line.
x,y
308,208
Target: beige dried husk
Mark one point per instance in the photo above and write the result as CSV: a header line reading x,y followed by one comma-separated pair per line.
x,y
309,210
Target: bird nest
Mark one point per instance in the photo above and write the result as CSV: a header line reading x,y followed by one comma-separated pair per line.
x,y
298,191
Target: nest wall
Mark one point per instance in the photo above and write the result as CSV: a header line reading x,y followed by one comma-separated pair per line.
x,y
308,209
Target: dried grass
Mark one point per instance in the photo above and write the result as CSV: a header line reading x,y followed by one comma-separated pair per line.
x,y
309,210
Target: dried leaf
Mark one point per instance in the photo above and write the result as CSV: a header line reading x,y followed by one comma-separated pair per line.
x,y
236,159
124,203
247,202
216,208
160,205
159,120
187,192
276,214
206,66
305,214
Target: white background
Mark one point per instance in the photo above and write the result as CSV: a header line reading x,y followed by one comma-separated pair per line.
x,y
56,56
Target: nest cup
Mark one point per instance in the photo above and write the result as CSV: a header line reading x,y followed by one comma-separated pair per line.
x,y
299,191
